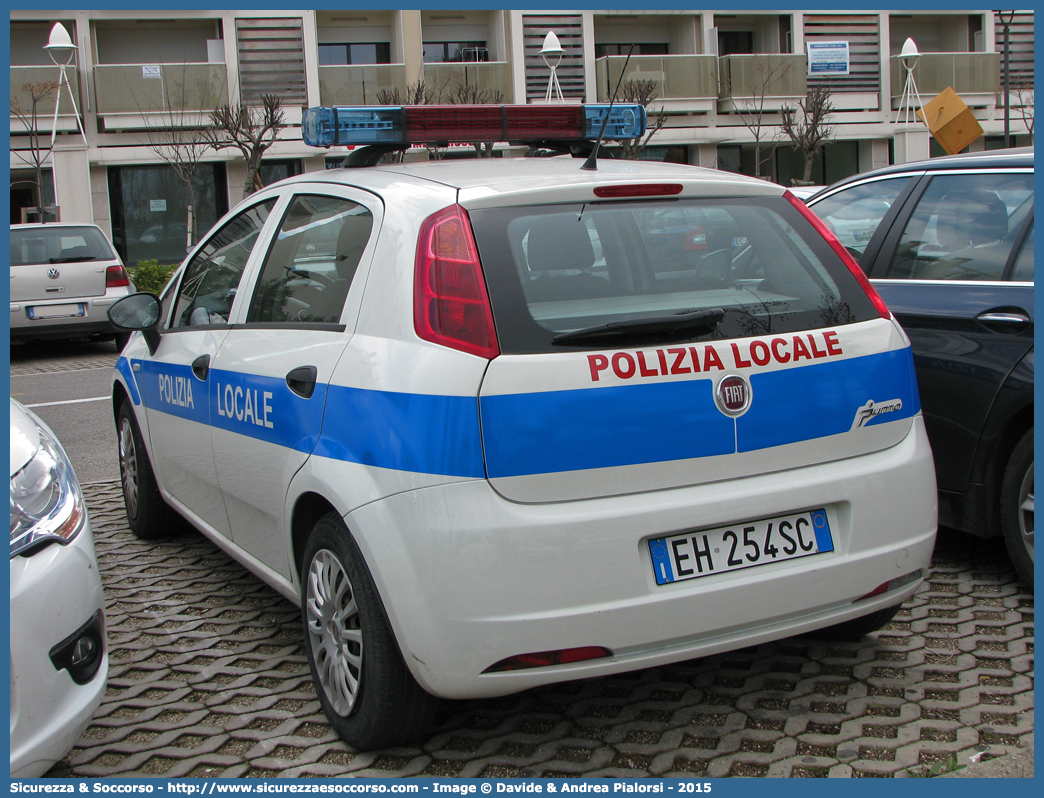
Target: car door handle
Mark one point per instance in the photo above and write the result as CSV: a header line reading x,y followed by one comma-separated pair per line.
x,y
302,380
1004,321
201,367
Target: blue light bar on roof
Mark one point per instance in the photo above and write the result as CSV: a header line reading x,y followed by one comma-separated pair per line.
x,y
328,126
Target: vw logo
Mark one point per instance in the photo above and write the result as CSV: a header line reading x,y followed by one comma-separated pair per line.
x,y
54,274
733,395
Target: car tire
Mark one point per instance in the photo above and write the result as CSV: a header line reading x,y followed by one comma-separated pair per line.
x,y
121,340
148,515
858,628
367,692
1016,508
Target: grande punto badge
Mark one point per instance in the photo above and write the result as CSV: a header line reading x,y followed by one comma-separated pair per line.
x,y
733,395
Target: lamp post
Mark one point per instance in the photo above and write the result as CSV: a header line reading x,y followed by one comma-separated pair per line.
x,y
552,53
1006,18
61,49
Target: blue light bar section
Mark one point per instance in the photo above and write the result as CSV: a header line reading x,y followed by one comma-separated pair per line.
x,y
626,121
328,126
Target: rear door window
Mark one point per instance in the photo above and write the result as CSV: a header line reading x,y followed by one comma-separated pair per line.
x,y
963,228
312,261
562,268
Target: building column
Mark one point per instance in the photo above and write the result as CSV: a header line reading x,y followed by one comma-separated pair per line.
x,y
704,155
72,182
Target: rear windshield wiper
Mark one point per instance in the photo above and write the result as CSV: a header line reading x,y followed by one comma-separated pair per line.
x,y
74,259
688,321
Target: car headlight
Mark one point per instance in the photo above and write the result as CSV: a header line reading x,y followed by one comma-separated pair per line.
x,y
46,503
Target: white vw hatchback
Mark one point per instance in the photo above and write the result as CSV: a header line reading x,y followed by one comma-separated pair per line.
x,y
503,422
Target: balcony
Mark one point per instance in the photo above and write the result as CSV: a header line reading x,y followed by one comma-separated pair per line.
x,y
359,84
143,96
24,76
485,80
683,83
769,81
974,76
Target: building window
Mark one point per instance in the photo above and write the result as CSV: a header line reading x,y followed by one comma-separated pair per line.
x,y
364,53
272,171
648,48
441,52
735,42
149,207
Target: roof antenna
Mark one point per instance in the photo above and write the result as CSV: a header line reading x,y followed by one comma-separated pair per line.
x,y
590,164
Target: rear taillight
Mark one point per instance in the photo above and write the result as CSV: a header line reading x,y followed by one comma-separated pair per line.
x,y
450,303
116,277
842,253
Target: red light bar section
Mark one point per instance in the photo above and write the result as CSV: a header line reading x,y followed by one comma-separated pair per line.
x,y
426,123
639,190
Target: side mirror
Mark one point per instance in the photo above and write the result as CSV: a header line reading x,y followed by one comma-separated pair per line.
x,y
138,312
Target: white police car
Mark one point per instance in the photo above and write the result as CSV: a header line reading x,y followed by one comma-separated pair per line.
x,y
495,424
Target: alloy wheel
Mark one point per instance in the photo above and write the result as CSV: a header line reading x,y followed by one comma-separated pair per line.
x,y
1026,511
129,466
334,630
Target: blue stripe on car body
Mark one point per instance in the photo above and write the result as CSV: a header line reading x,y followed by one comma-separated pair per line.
x,y
542,432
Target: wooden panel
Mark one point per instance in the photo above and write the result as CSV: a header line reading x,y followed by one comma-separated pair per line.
x,y
271,60
1020,50
569,30
862,33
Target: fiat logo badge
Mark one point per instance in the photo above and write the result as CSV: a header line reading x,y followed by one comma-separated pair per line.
x,y
54,274
733,395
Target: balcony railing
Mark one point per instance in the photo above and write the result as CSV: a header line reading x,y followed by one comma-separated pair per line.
x,y
26,79
485,81
769,80
359,84
675,77
974,76
156,91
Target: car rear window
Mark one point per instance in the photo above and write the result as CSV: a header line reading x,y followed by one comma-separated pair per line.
x,y
60,244
555,269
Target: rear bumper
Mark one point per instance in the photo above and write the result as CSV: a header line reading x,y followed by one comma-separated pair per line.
x,y
93,322
469,579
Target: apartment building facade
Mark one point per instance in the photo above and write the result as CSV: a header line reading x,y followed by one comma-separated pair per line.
x,y
722,78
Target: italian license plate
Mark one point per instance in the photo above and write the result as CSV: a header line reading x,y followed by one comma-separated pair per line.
x,y
57,311
746,545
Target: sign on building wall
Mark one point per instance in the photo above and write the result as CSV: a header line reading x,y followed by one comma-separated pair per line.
x,y
827,58
157,205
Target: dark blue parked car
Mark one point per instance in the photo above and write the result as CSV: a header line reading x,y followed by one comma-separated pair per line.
x,y
948,243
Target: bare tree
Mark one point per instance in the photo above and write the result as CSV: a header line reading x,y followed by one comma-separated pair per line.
x,y
766,74
32,95
1022,86
181,142
250,130
419,93
641,92
809,131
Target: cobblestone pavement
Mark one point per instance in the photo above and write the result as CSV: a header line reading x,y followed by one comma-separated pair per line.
x,y
44,357
209,678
